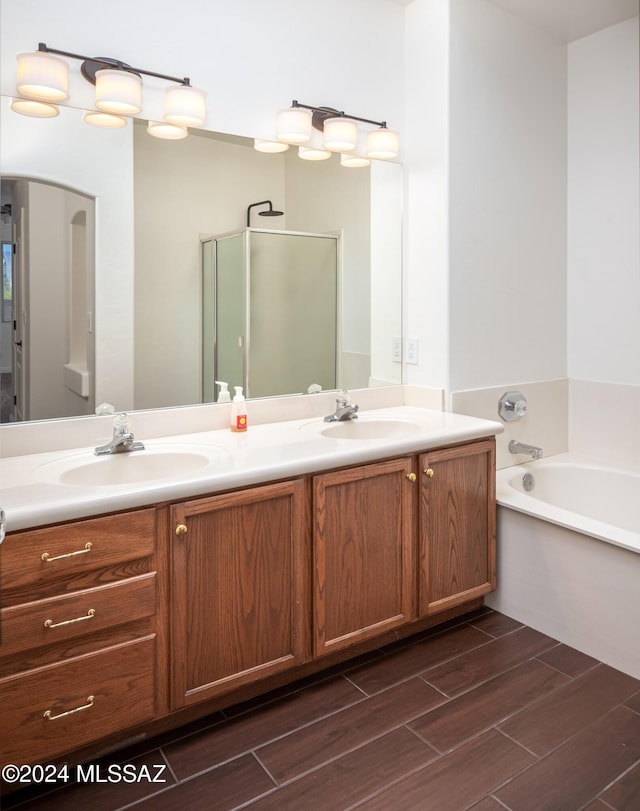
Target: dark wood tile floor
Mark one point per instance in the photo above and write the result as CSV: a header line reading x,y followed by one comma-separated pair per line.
x,y
483,714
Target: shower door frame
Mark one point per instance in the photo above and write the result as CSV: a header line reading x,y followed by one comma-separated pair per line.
x,y
245,338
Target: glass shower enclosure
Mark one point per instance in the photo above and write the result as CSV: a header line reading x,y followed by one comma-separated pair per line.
x,y
270,312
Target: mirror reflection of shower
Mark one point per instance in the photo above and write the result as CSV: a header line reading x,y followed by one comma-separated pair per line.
x,y
270,212
270,311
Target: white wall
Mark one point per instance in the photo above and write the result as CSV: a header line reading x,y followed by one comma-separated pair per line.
x,y
604,207
485,97
507,199
425,224
252,58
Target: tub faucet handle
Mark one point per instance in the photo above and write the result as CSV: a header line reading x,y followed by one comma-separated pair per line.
x,y
512,406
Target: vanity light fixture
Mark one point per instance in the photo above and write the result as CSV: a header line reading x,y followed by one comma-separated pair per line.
x,y
382,144
42,76
340,134
44,79
295,125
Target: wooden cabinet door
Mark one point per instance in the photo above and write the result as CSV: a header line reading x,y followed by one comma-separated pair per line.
x,y
457,525
240,589
363,546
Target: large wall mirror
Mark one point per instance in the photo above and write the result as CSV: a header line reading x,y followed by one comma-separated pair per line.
x,y
136,215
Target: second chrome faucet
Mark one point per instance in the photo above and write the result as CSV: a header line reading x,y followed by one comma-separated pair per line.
x,y
344,409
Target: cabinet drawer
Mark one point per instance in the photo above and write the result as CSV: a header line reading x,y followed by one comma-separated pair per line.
x,y
58,619
53,710
40,556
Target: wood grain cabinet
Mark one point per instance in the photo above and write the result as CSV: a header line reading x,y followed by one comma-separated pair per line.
x,y
79,654
363,552
456,526
240,589
115,622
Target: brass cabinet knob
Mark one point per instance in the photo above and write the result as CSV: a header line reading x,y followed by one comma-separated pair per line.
x,y
411,477
428,472
181,529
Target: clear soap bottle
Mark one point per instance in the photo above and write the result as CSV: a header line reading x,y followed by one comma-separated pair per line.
x,y
223,395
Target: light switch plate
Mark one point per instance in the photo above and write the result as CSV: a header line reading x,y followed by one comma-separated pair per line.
x,y
412,350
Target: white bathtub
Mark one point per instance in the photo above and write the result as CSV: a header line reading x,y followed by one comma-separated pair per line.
x,y
569,555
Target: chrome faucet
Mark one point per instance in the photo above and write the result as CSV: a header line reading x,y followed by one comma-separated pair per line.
x,y
122,440
344,410
522,447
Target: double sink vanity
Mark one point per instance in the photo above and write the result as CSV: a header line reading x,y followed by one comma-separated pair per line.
x,y
142,590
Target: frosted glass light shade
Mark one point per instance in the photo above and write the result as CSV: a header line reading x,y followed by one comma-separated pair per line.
x,y
185,105
170,132
263,145
314,150
310,153
353,160
118,91
36,109
383,144
43,76
340,134
104,120
293,125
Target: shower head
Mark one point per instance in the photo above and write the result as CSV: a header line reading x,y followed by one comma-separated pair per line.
x,y
270,212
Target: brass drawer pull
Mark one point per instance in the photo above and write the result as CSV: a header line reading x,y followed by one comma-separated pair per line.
x,y
87,548
181,529
47,713
411,477
428,472
51,624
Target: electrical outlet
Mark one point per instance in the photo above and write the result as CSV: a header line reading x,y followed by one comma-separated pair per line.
x,y
396,350
412,350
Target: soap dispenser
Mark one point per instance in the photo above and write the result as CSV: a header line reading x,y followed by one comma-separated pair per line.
x,y
223,395
238,411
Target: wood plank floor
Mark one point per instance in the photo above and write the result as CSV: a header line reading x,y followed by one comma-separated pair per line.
x,y
483,713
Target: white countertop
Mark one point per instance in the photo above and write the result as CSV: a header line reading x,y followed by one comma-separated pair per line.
x,y
32,494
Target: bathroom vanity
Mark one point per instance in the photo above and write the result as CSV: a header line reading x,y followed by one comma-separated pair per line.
x,y
296,549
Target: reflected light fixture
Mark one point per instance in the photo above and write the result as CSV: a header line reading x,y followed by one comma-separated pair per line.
x,y
106,120
295,125
263,145
44,78
170,132
356,159
314,150
37,109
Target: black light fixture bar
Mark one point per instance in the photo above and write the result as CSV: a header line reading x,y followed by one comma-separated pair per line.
x,y
111,63
328,112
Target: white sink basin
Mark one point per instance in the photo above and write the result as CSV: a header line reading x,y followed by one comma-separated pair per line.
x,y
370,429
148,465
